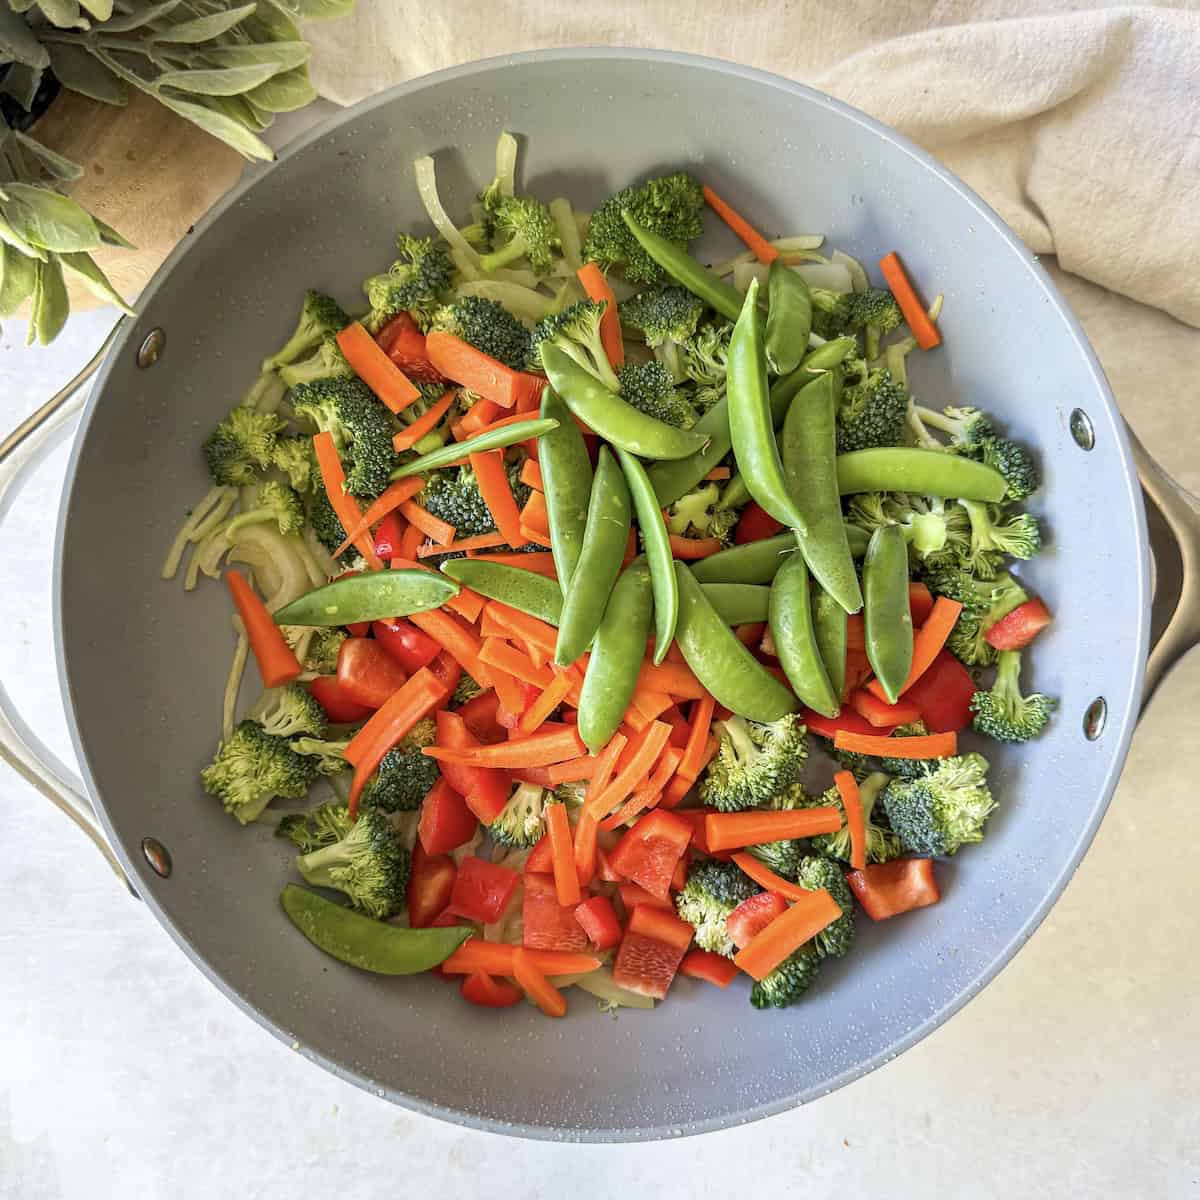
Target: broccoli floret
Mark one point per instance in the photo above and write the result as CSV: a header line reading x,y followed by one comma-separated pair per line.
x,y
665,314
943,809
328,758
405,775
323,649
871,412
938,531
984,603
522,821
831,312
836,938
241,446
876,312
650,388
859,765
525,228
572,794
704,360
906,768
361,426
454,497
1016,464
292,710
252,768
972,433
1003,713
320,826
466,689
669,206
294,457
882,843
754,762
326,526
276,502
969,428
782,857
713,890
993,536
320,317
328,363
415,283
699,515
576,332
488,326
789,981
369,865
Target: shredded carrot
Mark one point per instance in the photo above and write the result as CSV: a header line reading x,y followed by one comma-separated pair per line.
x,y
536,986
345,507
766,878
499,653
717,473
496,958
415,514
930,745
788,932
606,762
732,831
372,365
462,362
913,311
927,641
540,750
389,499
407,438
538,563
698,730
410,542
552,696
531,475
534,515
277,664
598,288
688,549
643,752
674,678
496,493
763,250
585,847
847,787
562,853
456,637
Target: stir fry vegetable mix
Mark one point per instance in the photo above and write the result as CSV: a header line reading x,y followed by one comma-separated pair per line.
x,y
568,550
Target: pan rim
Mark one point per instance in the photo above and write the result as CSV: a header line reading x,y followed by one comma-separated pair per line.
x,y
1118,734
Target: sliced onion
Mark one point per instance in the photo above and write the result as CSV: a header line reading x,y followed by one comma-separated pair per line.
x,y
833,277
858,275
506,163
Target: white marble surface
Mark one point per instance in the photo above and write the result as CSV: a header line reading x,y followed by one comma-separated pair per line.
x,y
122,1071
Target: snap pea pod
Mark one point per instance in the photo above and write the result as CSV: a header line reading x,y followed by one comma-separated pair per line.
x,y
808,447
924,472
492,439
832,354
738,603
614,419
616,657
659,558
750,423
722,664
567,480
685,270
365,943
792,631
887,617
372,596
757,562
604,542
520,589
829,623
673,480
789,317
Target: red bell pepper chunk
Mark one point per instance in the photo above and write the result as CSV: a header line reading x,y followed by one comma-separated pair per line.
x,y
388,535
632,895
482,890
430,882
755,524
679,875
541,859
367,674
888,889
1016,630
482,989
604,869
709,967
847,719
649,853
486,789
403,342
446,821
447,671
599,921
695,818
651,950
339,708
943,694
879,713
752,916
479,715
547,924
409,646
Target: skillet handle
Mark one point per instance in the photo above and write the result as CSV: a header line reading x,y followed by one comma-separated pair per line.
x,y
20,747
1173,521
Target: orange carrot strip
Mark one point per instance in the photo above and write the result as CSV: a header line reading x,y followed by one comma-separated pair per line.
x,y
606,762
372,365
535,984
415,514
496,958
481,541
277,664
596,767
496,492
788,932
515,623
676,790
688,549
460,361
648,796
344,505
539,537
529,391
534,513
923,329
410,542
562,855
763,250
931,745
538,563
540,750
645,749
390,498
552,696
585,847
407,438
717,473
674,678
597,288
531,475
847,787
508,690
498,653
732,831
456,637
481,413
414,699
927,641
698,730
766,878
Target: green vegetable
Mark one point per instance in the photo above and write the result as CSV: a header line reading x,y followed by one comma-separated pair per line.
x,y
404,776
294,457
659,558
567,479
369,865
699,515
241,446
789,981
814,874
906,768
524,590
666,256
882,844
327,363
789,318
704,361
925,472
872,410
665,317
754,762
672,480
323,649
320,317
937,531
488,326
454,497
292,710
783,857
320,826
277,503
943,809
491,439
992,536
753,562
416,283
526,229
738,603
252,768
370,597
1003,712
794,635
522,820
576,332
887,617
984,602
650,388
712,891
829,629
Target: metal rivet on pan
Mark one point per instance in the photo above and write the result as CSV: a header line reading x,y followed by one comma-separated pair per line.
x,y
1081,430
1094,718
157,855
151,347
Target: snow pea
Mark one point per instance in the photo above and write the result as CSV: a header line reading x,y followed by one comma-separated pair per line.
x,y
808,447
750,423
722,664
829,624
604,541
567,479
616,657
789,318
792,631
738,603
491,439
673,480
659,558
685,270
887,616
520,589
925,472
754,562
614,419
371,596
365,943
832,354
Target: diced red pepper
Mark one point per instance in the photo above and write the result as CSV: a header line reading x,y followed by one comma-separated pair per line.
x,y
649,853
446,821
367,674
541,859
943,694
339,708
847,719
755,524
485,789
604,868
482,890
632,895
651,951
409,646
679,875
548,925
388,535
752,916
879,713
447,671
482,989
430,882
709,967
1016,630
888,889
403,342
695,818
479,715
598,920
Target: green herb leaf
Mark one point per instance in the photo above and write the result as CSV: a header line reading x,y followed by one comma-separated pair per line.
x,y
85,268
220,81
220,126
100,9
18,42
17,277
51,305
47,219
320,10
204,28
139,17
79,72
63,13
272,23
21,83
10,237
284,55
284,92
55,163
110,237
21,6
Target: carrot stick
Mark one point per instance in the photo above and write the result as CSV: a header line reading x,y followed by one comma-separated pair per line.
x,y
645,750
533,515
699,726
410,542
344,506
596,767
688,549
406,439
529,391
847,787
766,878
717,473
390,498
539,537
456,637
585,847
606,762
496,958
597,287
497,494
460,361
415,514
502,422
372,365
648,796
931,745
927,641
481,541
650,704
923,329
540,750
498,653
539,564
515,623
531,475
508,690
552,696
562,855
763,250
480,414
732,831
277,664
676,790
674,678
788,932
535,984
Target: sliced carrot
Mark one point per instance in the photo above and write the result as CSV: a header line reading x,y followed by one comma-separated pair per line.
x,y
689,549
534,515
596,767
531,475
597,287
498,653
676,790
788,932
389,499
643,753
460,361
481,541
496,492
537,537
847,787
930,745
586,847
410,542
717,473
535,984
650,704
562,855
698,730
407,438
766,878
606,762
540,750
372,365
763,250
649,795
927,641
674,678
923,329
538,563
277,664
456,637
856,632
552,696
731,831
441,531
529,389
481,413
508,691
344,505
496,958
515,623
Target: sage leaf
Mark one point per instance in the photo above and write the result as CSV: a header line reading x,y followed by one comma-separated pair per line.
x,y
100,9
63,13
110,237
48,219
21,6
320,10
284,55
220,126
284,92
219,81
18,43
51,305
201,29
239,109
21,83
54,163
139,17
17,276
79,72
10,237
272,23
85,268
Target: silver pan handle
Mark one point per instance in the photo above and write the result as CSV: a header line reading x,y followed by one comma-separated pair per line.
x,y
20,747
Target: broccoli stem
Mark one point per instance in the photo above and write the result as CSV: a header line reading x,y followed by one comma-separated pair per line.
x,y
253,517
505,255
